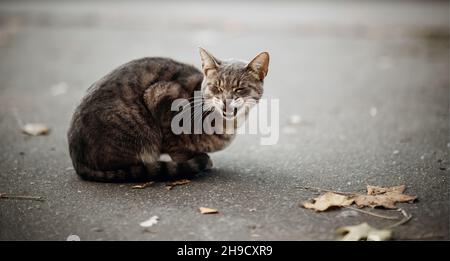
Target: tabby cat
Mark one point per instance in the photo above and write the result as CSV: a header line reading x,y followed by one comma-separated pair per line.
x,y
123,124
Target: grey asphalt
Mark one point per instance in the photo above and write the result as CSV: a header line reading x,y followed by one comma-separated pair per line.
x,y
370,81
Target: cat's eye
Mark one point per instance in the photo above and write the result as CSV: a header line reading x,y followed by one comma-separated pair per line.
x,y
239,90
216,88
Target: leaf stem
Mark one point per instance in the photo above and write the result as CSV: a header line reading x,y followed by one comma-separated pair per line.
x,y
371,213
5,196
406,217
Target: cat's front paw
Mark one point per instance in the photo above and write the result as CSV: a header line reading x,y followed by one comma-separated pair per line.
x,y
204,161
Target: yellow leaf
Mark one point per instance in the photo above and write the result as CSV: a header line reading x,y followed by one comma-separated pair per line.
x,y
363,231
35,129
208,210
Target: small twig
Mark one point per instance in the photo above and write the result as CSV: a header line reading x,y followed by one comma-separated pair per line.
x,y
406,217
326,190
21,197
173,184
372,213
143,185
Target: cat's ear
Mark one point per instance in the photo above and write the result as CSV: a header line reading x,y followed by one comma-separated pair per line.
x,y
260,64
209,62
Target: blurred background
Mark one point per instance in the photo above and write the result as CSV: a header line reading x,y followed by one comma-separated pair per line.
x,y
364,99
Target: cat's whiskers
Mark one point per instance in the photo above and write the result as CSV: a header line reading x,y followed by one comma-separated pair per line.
x,y
249,103
192,104
206,108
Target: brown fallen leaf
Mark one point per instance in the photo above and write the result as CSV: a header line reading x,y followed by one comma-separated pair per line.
x,y
386,200
363,231
35,129
375,190
327,200
376,197
383,197
172,184
208,210
143,186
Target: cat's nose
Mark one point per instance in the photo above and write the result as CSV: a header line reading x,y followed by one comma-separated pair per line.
x,y
228,103
230,107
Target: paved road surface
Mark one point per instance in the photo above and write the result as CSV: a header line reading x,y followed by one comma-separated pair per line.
x,y
369,80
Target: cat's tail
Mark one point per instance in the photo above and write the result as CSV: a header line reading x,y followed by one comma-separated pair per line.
x,y
161,170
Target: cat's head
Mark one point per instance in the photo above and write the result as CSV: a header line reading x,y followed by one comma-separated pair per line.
x,y
232,87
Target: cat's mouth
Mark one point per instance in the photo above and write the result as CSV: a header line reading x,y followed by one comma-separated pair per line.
x,y
226,112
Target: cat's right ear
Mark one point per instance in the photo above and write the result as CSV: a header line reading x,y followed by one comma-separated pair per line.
x,y
209,62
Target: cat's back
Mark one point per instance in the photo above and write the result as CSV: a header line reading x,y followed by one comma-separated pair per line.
x,y
142,73
129,81
122,89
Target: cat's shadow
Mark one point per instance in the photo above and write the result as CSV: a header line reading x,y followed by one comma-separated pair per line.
x,y
215,175
211,175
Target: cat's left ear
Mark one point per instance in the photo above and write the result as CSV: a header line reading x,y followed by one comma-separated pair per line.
x,y
209,62
260,65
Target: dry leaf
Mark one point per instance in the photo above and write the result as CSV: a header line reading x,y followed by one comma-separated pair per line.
x,y
170,185
208,210
363,232
328,200
387,200
383,197
150,222
376,197
142,186
375,190
35,129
